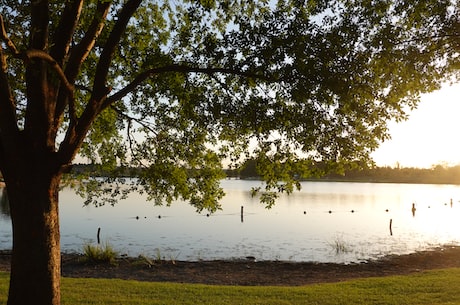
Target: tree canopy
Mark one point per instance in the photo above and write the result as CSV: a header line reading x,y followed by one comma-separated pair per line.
x,y
179,87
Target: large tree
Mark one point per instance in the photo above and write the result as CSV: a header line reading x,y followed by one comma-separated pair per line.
x,y
177,87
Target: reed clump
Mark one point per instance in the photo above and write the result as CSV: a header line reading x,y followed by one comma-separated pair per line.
x,y
339,245
99,253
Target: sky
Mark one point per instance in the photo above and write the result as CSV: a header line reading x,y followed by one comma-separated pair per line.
x,y
429,137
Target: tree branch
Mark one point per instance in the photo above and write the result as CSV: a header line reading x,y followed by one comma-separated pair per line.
x,y
6,39
37,54
131,141
102,69
131,118
39,24
180,69
65,30
9,130
81,51
77,132
37,116
7,104
78,55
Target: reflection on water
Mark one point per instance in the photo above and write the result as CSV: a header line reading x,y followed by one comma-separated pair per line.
x,y
362,220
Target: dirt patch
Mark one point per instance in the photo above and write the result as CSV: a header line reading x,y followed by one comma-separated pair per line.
x,y
249,272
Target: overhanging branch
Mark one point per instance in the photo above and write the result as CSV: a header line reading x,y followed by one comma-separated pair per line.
x,y
37,54
113,40
6,39
130,138
79,53
65,30
179,68
133,119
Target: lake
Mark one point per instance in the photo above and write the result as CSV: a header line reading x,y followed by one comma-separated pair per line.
x,y
324,222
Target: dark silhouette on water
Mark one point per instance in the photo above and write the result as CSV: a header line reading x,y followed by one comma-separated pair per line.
x,y
391,227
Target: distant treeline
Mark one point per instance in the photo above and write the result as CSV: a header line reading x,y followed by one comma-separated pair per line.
x,y
97,170
436,175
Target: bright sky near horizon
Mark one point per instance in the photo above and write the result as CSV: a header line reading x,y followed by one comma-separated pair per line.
x,y
430,135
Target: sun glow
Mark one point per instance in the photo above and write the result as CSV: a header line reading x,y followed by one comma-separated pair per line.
x,y
429,137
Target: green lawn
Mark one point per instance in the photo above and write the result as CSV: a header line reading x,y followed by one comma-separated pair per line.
x,y
434,287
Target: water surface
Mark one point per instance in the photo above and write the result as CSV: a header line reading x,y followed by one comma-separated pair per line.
x,y
305,226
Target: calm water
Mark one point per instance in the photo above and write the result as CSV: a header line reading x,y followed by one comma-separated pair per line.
x,y
305,226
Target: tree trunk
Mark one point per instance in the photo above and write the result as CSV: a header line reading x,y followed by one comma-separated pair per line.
x,y
36,259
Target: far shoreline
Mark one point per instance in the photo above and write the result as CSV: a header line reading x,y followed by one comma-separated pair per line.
x,y
351,180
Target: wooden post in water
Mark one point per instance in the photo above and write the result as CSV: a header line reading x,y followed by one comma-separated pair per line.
x,y
242,219
391,229
98,236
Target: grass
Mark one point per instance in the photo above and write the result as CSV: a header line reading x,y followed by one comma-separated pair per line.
x,y
433,287
99,253
158,259
339,245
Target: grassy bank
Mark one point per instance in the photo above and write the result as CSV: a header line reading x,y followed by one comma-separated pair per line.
x,y
434,287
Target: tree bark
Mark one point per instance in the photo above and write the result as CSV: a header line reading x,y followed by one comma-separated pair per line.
x,y
36,259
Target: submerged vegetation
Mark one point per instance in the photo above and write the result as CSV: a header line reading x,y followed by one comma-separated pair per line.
x,y
339,245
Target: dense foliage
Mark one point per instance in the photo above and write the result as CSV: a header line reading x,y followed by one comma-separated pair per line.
x,y
196,83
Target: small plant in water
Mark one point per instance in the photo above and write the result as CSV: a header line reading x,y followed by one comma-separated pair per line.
x,y
158,257
99,253
173,258
339,245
